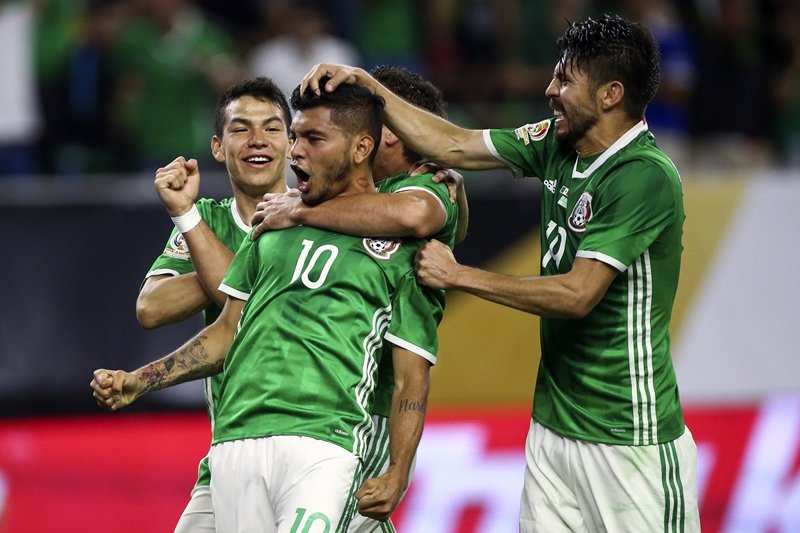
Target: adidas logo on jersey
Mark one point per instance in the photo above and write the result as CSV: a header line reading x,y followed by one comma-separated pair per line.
x,y
551,185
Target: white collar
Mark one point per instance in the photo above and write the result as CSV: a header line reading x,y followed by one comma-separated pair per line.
x,y
618,145
237,218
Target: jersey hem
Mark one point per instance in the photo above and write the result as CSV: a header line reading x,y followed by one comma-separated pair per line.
x,y
335,442
162,272
596,440
427,191
411,347
487,140
230,291
607,259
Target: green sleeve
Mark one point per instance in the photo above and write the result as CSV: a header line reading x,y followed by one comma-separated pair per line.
x,y
524,149
240,278
404,182
416,313
175,259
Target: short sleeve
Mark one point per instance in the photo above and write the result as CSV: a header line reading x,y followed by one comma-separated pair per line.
x,y
240,278
439,191
523,150
416,313
174,260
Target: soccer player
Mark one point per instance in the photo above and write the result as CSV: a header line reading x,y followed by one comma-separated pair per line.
x,y
607,448
302,329
251,137
421,208
422,212
248,141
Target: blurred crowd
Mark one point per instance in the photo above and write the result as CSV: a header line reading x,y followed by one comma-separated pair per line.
x,y
117,86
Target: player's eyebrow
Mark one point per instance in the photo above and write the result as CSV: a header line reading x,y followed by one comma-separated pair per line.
x,y
247,122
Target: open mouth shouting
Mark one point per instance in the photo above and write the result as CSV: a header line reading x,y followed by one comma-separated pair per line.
x,y
558,112
302,176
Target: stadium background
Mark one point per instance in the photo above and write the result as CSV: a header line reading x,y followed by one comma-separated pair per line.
x,y
78,244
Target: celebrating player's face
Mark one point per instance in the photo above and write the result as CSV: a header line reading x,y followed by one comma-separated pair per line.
x,y
572,104
320,155
254,143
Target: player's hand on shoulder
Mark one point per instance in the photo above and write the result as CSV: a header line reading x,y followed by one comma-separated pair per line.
x,y
276,211
454,180
114,389
434,265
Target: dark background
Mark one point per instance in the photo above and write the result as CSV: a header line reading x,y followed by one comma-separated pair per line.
x,y
72,265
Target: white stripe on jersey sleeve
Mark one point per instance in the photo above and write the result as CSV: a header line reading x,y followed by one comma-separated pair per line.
x,y
415,188
487,140
607,259
411,347
162,272
234,293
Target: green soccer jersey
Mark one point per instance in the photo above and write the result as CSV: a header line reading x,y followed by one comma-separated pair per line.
x,y
402,183
305,355
607,377
224,220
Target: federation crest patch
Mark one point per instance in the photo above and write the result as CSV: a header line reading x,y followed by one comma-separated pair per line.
x,y
533,132
581,213
177,248
380,248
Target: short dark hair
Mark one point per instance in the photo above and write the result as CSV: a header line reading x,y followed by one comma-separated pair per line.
x,y
411,87
261,88
354,108
414,89
612,48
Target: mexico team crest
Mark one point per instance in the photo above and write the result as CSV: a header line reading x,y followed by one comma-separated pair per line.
x,y
581,213
177,248
533,132
380,248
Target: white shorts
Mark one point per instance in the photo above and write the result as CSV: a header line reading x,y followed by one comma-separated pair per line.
x,y
281,484
376,461
576,486
198,515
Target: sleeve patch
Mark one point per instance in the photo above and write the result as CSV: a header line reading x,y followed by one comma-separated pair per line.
x,y
533,132
177,247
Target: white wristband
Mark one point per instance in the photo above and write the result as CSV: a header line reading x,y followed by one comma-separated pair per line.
x,y
188,220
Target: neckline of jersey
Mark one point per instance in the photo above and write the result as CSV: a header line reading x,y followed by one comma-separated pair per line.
x,y
237,218
618,145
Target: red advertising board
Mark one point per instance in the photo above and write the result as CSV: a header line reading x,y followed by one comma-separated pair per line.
x,y
133,473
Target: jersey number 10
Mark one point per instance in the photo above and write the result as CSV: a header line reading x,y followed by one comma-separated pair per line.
x,y
305,266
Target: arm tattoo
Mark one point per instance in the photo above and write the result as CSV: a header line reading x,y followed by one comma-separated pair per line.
x,y
413,405
192,360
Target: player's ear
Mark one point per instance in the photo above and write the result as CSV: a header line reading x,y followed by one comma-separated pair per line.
x,y
216,149
388,138
362,148
611,94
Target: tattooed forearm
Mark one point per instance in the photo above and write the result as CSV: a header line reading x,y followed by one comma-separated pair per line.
x,y
186,364
407,404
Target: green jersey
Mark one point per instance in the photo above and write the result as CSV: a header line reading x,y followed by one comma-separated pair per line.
x,y
403,183
305,355
224,220
607,377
